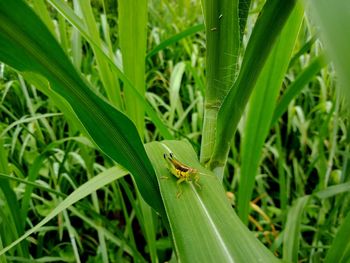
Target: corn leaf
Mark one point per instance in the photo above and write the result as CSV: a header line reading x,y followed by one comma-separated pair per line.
x,y
261,107
203,224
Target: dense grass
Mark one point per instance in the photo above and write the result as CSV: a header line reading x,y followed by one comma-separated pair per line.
x,y
299,197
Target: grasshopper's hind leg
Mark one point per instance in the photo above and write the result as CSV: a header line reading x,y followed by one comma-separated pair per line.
x,y
196,182
179,189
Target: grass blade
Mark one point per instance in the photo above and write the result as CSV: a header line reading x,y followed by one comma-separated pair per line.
x,y
109,80
84,190
261,107
133,35
340,248
333,190
298,84
171,40
15,222
291,238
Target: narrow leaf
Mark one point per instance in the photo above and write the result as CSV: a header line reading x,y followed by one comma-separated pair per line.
x,y
333,190
297,85
261,109
12,204
291,238
132,23
340,248
175,38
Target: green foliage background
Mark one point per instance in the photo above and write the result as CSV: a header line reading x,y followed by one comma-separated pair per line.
x,y
89,86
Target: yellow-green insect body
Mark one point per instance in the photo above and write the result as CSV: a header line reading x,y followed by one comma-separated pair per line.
x,y
181,171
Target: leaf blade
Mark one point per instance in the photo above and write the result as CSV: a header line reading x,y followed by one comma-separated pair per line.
x,y
203,224
261,107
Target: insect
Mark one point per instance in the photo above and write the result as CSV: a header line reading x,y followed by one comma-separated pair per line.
x,y
182,172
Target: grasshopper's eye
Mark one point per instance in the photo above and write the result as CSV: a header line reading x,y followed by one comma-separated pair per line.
x,y
171,155
164,155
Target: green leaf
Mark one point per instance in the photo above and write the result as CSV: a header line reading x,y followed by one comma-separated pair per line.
x,y
108,78
291,238
203,224
175,38
132,23
333,190
340,248
297,85
261,107
14,222
265,33
84,190
27,45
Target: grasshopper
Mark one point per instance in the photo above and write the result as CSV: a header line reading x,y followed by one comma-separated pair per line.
x,y
182,172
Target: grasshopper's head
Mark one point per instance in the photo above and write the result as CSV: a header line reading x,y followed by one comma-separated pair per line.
x,y
166,157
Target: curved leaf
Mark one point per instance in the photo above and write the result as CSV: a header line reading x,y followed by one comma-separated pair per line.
x,y
204,226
